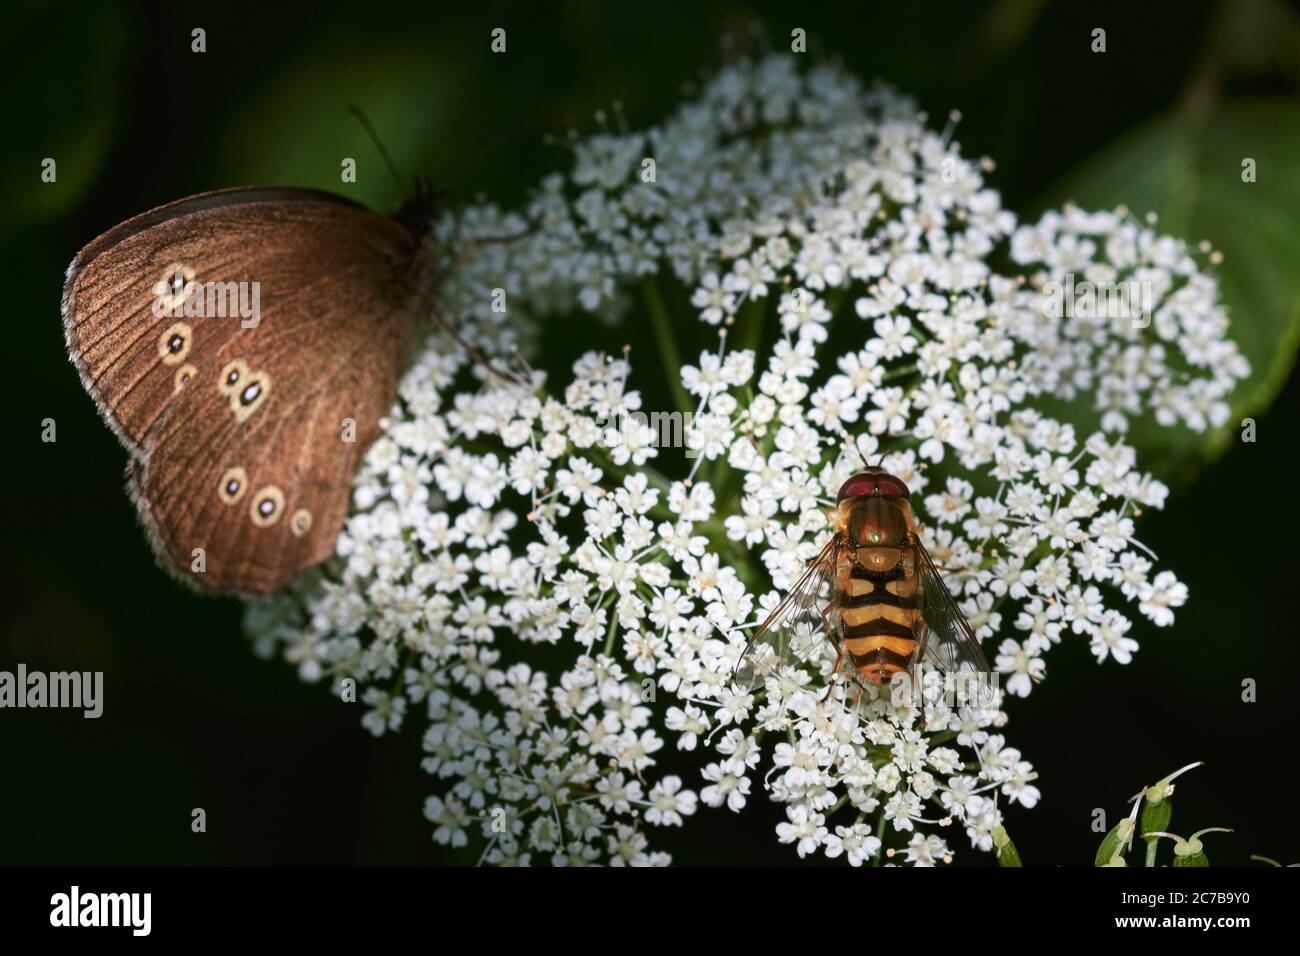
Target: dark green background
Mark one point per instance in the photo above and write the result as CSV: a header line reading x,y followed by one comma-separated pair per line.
x,y
286,773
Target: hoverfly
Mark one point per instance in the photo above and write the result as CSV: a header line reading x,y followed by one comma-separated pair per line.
x,y
874,593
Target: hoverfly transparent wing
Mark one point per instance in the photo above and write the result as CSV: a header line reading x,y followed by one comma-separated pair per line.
x,y
946,641
794,631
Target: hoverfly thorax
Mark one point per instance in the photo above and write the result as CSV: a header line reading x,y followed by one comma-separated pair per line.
x,y
873,509
876,528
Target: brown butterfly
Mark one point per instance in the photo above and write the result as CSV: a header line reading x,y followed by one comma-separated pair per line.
x,y
243,345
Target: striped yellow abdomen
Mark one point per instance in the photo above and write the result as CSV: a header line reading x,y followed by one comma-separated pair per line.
x,y
877,613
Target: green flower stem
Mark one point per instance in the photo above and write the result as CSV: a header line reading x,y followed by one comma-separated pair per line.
x,y
613,629
880,835
750,320
667,342
653,475
901,372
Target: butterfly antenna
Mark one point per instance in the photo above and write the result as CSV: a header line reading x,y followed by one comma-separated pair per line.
x,y
379,145
473,352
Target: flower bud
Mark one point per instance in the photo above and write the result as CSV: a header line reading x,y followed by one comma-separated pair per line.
x,y
1116,844
1191,852
1008,855
1157,810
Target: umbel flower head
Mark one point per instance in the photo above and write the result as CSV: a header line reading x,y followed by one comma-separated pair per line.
x,y
559,600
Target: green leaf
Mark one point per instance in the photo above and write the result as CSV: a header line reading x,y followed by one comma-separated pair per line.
x,y
1187,168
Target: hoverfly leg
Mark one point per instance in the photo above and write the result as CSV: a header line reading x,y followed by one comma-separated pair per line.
x,y
830,686
835,674
840,651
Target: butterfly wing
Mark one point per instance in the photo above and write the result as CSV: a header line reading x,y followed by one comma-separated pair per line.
x,y
244,435
114,316
795,629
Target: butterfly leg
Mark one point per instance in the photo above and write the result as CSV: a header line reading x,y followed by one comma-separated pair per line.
x,y
474,243
473,353
439,279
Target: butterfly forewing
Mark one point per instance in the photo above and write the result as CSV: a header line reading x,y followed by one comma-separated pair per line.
x,y
795,632
113,322
243,448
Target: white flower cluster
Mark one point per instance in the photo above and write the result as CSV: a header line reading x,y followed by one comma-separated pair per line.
x,y
1173,361
564,602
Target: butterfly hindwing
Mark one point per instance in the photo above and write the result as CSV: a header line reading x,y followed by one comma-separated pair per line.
x,y
242,472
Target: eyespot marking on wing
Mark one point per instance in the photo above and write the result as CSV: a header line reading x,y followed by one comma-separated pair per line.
x,y
267,506
300,523
231,376
174,287
174,344
183,376
233,484
249,394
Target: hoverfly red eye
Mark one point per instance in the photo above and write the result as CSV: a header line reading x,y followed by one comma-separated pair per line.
x,y
874,482
889,485
857,486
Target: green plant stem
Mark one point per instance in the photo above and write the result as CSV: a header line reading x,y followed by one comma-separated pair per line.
x,y
613,629
668,353
749,325
880,835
